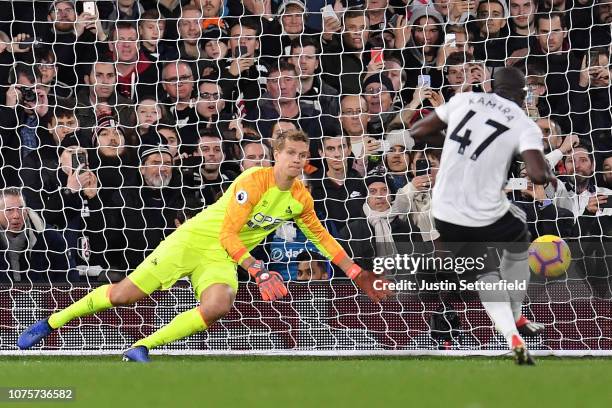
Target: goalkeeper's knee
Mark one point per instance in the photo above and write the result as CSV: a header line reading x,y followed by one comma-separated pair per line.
x,y
216,302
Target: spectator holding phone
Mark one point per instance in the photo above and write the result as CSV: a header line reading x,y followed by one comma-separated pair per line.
x,y
591,99
414,199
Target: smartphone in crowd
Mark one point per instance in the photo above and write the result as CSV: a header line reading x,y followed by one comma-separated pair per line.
x,y
328,11
517,183
79,158
424,81
240,51
422,167
89,7
593,58
376,54
451,39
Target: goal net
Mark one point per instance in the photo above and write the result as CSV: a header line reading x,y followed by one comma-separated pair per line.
x,y
122,119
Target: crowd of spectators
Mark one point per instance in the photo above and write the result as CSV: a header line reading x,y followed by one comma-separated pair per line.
x,y
121,121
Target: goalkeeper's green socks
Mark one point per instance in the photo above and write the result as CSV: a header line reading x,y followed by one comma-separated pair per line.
x,y
95,301
183,325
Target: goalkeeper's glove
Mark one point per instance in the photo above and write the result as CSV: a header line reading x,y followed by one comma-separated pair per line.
x,y
270,283
365,280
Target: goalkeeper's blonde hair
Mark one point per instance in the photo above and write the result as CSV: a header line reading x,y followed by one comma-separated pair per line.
x,y
292,135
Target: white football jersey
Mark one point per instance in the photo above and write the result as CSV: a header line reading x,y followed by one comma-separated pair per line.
x,y
484,133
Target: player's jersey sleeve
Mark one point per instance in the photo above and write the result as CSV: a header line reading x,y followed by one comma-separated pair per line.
x,y
311,226
243,196
531,137
443,111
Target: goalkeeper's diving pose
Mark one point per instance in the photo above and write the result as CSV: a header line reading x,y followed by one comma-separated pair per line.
x,y
208,248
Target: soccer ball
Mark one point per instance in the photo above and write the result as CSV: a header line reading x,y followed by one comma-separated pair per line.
x,y
549,256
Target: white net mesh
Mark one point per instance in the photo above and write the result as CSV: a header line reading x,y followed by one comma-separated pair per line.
x,y
121,119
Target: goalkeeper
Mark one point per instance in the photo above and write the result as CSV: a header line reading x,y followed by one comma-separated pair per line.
x,y
208,247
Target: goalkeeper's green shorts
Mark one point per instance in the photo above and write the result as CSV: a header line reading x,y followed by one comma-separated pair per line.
x,y
174,259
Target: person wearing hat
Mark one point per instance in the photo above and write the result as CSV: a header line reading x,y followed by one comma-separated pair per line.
x,y
67,195
397,157
384,231
215,43
289,25
379,93
146,209
493,31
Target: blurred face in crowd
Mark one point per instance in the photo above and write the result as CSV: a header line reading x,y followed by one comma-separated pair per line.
x,y
378,196
157,170
48,70
125,47
377,5
63,16
378,97
103,78
311,270
178,81
490,17
354,115
441,6
355,34
434,163
126,3
210,8
293,19
151,31
111,142
522,13
604,9
148,112
426,33
59,127
607,170
393,71
283,85
12,213
537,85
550,34
336,151
210,101
292,158
245,37
254,155
579,164
456,76
305,60
189,26
550,134
598,80
172,140
397,159
281,127
215,49
210,148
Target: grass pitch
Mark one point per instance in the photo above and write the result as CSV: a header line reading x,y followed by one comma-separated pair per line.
x,y
177,381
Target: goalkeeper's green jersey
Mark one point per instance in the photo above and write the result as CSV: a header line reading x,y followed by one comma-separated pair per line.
x,y
250,209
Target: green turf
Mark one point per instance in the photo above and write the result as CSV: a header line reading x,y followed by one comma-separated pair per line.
x,y
314,382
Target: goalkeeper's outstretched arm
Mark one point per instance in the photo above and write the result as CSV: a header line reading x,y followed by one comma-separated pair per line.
x,y
310,224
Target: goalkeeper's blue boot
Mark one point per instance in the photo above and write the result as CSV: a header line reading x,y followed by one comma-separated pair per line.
x,y
139,354
33,334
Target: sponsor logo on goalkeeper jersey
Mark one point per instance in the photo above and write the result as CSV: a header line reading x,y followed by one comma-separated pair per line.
x,y
264,221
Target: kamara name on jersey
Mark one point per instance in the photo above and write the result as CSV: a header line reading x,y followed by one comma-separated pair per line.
x,y
492,104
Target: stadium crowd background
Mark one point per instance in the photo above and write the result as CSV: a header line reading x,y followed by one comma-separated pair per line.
x,y
117,127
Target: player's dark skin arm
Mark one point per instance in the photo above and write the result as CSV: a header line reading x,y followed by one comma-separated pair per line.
x,y
429,130
537,167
